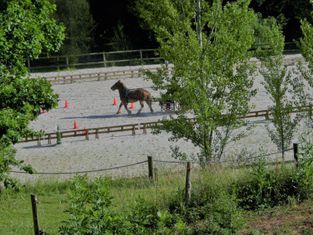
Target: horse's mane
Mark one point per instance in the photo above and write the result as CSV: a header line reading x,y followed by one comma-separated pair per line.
x,y
123,85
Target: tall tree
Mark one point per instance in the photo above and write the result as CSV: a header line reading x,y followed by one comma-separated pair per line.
x,y
284,90
211,77
288,12
76,16
27,29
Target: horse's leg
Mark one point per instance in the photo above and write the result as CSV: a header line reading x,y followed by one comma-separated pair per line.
x,y
125,105
149,103
119,108
141,106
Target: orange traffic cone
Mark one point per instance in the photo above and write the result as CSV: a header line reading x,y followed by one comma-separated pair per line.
x,y
132,105
75,124
114,101
66,104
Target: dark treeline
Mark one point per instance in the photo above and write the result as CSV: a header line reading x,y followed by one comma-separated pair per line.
x,y
94,25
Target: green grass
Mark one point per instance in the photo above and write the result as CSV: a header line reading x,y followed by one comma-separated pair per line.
x,y
16,214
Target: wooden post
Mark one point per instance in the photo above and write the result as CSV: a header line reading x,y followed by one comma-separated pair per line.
x,y
104,59
141,58
49,139
188,184
97,134
155,171
86,133
295,154
67,62
35,216
144,129
150,167
133,131
267,115
38,141
58,135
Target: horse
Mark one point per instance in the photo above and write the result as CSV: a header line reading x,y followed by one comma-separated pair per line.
x,y
132,95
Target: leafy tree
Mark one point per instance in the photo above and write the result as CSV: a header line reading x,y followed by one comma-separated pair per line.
x,y
120,40
288,12
284,91
27,29
306,46
76,16
211,78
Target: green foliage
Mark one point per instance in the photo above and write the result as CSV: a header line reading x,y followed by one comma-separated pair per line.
x,y
306,46
7,160
119,40
211,71
89,211
268,188
27,29
76,16
284,91
213,208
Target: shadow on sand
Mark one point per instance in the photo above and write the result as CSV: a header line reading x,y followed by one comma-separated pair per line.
x,y
35,146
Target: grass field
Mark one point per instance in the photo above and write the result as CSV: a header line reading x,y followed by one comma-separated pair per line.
x,y
16,215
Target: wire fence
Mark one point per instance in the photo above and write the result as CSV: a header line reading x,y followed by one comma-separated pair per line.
x,y
170,166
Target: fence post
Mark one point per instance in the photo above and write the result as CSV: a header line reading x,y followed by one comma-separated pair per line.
x,y
141,58
58,135
150,167
97,134
35,216
133,130
104,59
295,154
39,141
188,184
49,139
86,133
67,61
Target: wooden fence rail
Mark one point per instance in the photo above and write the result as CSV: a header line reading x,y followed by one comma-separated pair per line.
x,y
97,59
99,76
140,126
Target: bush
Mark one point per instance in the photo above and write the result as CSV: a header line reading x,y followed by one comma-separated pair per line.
x,y
90,212
146,218
213,208
265,188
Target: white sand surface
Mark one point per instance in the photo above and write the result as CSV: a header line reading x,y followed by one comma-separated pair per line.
x,y
90,104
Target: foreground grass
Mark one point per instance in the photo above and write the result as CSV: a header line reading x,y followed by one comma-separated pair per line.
x,y
16,211
16,215
288,219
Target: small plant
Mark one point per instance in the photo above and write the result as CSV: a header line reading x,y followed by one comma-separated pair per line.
x,y
90,212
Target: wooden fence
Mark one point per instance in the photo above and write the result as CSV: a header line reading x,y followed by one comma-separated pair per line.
x,y
140,127
97,59
99,76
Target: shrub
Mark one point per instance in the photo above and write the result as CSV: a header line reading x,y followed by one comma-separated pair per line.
x,y
213,208
146,218
265,187
90,212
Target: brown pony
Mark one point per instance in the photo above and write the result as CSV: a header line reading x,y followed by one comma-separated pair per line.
x,y
132,95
